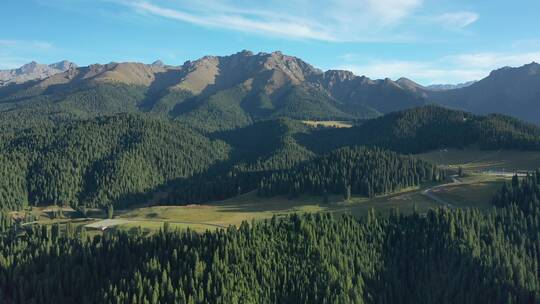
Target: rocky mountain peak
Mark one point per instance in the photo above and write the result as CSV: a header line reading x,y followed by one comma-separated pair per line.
x,y
29,67
339,75
63,65
408,84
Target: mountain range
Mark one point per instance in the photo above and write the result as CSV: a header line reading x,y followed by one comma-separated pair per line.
x,y
33,71
223,92
443,87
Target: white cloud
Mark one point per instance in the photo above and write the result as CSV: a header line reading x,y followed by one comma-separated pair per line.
x,y
241,23
494,60
456,19
333,20
423,72
390,11
449,69
21,44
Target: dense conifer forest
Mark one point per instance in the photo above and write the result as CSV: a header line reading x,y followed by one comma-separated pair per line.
x,y
431,127
126,158
100,161
349,171
522,193
446,256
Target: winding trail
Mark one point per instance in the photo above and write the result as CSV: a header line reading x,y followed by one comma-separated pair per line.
x,y
125,221
455,181
172,222
429,192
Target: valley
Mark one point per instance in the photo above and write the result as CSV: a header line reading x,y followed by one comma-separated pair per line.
x,y
474,190
144,168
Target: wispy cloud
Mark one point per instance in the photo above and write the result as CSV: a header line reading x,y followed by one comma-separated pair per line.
x,y
387,11
449,69
423,72
237,21
494,59
20,44
333,20
14,53
456,19
11,62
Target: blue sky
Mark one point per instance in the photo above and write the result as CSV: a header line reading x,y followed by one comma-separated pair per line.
x,y
429,41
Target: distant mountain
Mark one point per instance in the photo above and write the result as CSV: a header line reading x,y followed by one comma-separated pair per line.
x,y
33,71
512,91
214,92
444,87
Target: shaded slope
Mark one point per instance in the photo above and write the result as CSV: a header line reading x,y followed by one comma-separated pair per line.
x,y
512,91
119,159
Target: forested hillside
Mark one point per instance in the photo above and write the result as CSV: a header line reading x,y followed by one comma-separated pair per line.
x,y
347,171
447,256
430,127
119,159
126,158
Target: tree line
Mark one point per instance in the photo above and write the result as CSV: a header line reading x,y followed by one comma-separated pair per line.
x,y
522,193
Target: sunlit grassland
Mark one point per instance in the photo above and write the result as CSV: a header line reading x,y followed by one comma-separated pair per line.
x,y
249,207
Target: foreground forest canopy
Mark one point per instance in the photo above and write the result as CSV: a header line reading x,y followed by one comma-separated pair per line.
x,y
125,159
446,256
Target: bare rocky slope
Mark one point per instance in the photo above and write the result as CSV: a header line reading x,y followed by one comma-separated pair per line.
x,y
34,71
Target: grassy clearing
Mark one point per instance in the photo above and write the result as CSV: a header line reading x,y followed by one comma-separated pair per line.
x,y
477,189
479,160
229,212
328,123
474,191
250,207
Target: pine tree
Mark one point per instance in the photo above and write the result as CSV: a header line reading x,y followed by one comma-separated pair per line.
x,y
110,211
